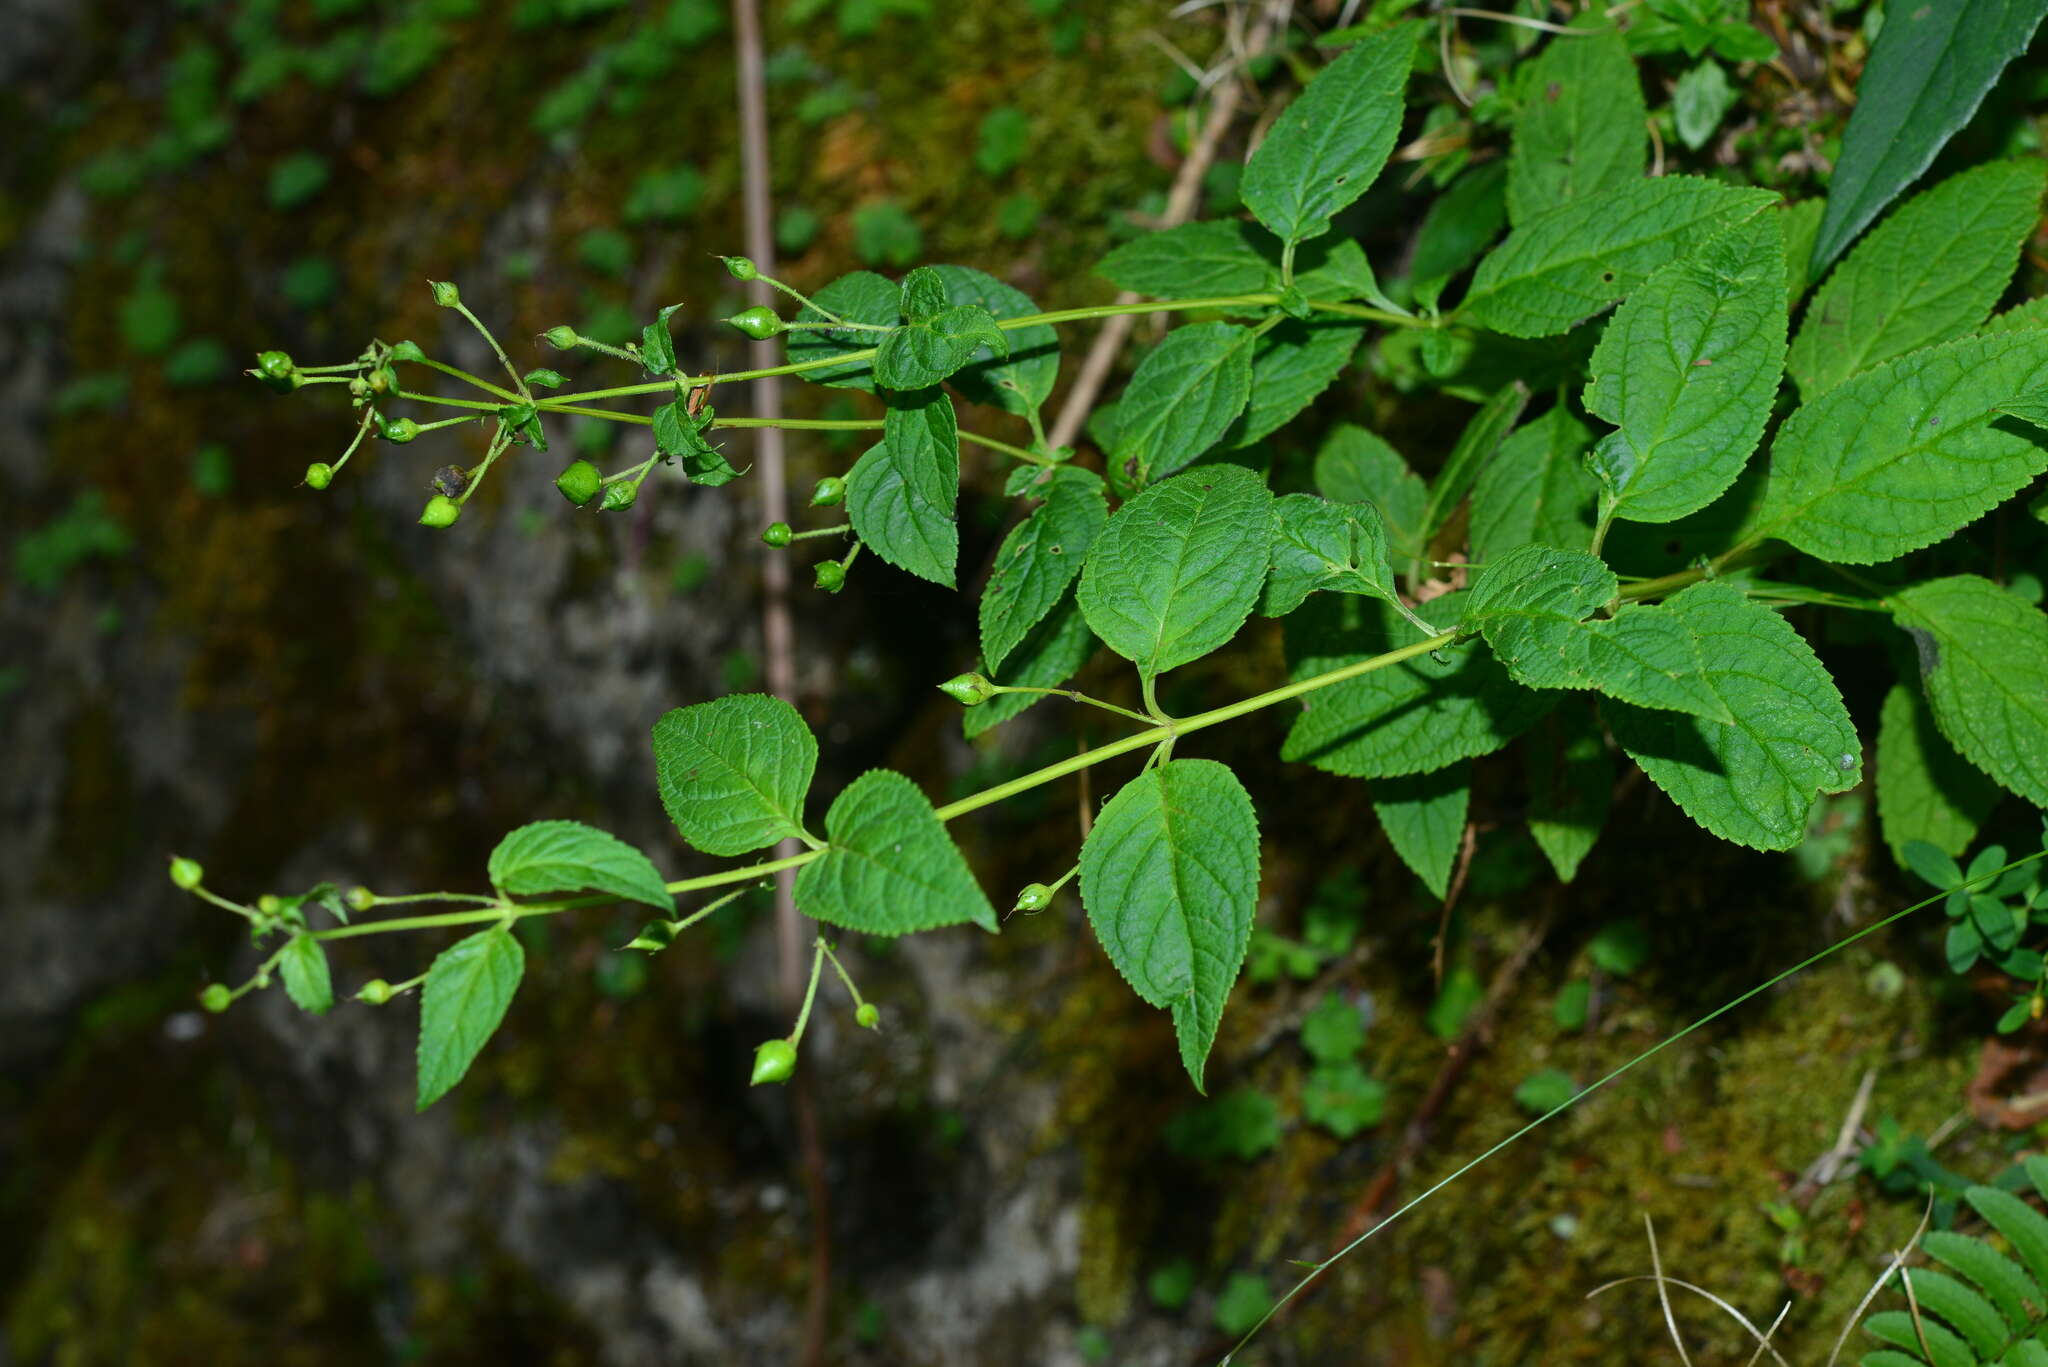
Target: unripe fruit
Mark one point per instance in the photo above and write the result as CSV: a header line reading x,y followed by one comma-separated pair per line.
x,y
445,294
830,493
270,904
758,322
580,483
561,337
868,1015
319,475
359,898
441,511
969,690
742,268
777,534
1034,897
830,575
397,431
774,1061
375,992
618,497
216,998
186,873
383,380
276,369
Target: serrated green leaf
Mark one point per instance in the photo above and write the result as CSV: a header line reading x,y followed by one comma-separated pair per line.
x,y
860,297
1424,817
1754,780
1019,377
568,856
468,988
1326,149
1190,261
1925,791
1460,223
902,496
1573,261
2020,317
1040,557
2022,1225
1182,398
1469,457
1686,370
1170,878
1290,366
2031,409
306,979
1999,1276
1177,570
1357,466
1050,654
733,772
1799,223
1928,70
1581,127
928,349
889,868
1321,545
1901,456
1571,782
1536,489
680,433
657,350
1407,718
1929,273
1984,664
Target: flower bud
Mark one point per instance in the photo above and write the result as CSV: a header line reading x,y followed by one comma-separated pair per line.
x,y
359,898
868,1016
374,992
216,998
441,511
741,267
580,482
830,575
777,534
319,475
270,904
445,294
186,873
774,1061
277,370
619,497
969,690
758,322
1034,897
383,380
397,431
561,337
830,493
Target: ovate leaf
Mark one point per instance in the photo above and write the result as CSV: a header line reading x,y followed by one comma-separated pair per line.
x,y
1929,273
1017,377
1572,261
1581,127
1290,365
1687,369
733,772
890,868
1924,789
1424,816
306,979
1406,718
862,297
1460,223
1571,781
1901,456
901,495
1929,69
568,856
1752,780
1984,664
1327,147
1170,878
1183,396
1190,261
1322,545
925,351
1536,488
468,988
1040,557
1050,654
1357,466
1177,570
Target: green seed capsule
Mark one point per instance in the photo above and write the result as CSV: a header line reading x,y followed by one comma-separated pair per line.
x,y
276,369
580,483
868,1016
561,337
375,992
397,431
441,511
742,268
216,998
774,1061
1034,897
359,898
270,904
319,475
830,575
186,873
777,534
619,497
969,690
445,294
830,493
758,322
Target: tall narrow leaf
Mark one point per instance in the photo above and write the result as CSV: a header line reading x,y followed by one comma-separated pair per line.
x,y
901,495
1582,125
1571,782
1984,663
1040,557
1536,488
1180,400
1424,817
1925,791
468,988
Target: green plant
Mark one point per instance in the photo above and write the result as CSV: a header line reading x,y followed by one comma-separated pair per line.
x,y
1595,563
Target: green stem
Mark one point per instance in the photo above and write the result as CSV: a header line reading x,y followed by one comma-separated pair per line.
x,y
839,530
803,1016
432,897
517,382
463,375
840,969
1072,695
